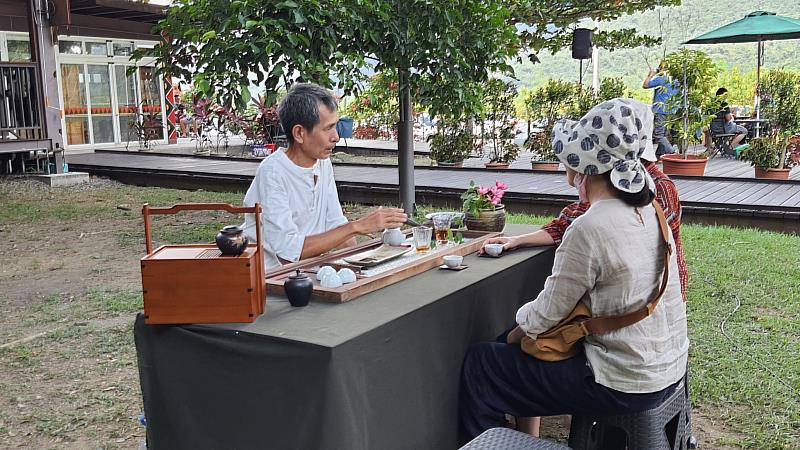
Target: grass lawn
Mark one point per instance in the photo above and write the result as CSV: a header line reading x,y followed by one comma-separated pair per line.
x,y
69,286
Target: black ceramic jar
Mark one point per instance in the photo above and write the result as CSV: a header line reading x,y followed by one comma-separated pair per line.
x,y
298,288
231,241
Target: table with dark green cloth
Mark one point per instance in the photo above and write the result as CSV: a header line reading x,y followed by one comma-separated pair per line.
x,y
377,372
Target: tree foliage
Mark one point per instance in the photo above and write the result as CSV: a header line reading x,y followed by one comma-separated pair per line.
x,y
693,74
552,22
224,46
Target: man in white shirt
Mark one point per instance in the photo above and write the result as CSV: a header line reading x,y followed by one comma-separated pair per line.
x,y
301,215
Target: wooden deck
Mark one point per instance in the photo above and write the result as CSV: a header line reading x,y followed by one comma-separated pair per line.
x,y
717,167
726,200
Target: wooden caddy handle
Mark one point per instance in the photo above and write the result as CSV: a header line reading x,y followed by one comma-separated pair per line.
x,y
147,211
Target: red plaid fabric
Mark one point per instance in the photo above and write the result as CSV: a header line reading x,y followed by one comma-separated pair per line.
x,y
667,197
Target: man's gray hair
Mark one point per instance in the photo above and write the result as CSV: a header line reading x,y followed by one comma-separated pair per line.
x,y
301,107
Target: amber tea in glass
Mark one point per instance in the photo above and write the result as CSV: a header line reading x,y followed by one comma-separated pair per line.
x,y
422,239
441,223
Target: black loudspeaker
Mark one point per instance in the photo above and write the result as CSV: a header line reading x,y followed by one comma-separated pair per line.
x,y
582,43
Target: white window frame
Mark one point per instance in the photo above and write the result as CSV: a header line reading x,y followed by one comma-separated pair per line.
x,y
112,61
4,38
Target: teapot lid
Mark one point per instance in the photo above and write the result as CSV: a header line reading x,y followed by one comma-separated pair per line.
x,y
231,229
298,276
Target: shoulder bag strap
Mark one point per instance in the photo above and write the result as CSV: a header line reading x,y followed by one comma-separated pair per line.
x,y
600,325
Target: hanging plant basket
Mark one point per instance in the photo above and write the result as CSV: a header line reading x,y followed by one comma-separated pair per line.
x,y
487,219
545,165
772,174
675,164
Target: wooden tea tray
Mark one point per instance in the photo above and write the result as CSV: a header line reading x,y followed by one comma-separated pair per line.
x,y
366,284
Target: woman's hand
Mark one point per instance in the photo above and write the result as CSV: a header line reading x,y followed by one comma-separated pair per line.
x,y
515,336
509,243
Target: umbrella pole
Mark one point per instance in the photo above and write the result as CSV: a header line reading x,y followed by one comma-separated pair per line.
x,y
758,86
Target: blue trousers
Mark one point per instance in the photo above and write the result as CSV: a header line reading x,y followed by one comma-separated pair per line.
x,y
499,379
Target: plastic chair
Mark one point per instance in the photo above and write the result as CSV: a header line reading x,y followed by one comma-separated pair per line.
x,y
662,428
508,439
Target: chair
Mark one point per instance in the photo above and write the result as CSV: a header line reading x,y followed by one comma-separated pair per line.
x,y
720,140
508,439
662,428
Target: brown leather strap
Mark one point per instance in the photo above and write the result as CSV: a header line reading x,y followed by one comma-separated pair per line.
x,y
600,325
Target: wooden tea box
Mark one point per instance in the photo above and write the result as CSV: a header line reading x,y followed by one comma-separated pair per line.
x,y
195,283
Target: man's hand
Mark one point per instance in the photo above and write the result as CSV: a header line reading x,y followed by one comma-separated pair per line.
x,y
381,218
509,243
649,76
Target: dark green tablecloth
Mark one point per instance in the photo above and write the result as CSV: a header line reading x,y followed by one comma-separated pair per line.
x,y
378,372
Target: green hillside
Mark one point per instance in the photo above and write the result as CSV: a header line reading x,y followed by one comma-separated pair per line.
x,y
678,24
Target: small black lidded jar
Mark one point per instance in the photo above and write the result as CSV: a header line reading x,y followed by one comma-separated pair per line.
x,y
298,288
231,241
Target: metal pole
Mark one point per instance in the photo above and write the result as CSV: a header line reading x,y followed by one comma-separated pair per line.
x,y
596,64
760,50
405,145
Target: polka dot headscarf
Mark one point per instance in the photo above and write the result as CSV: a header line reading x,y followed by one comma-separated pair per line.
x,y
611,136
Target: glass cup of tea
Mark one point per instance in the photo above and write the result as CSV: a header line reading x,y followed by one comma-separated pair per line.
x,y
441,225
422,238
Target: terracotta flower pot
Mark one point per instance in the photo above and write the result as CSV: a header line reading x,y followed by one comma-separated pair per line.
x,y
545,165
497,165
772,174
487,219
450,164
675,164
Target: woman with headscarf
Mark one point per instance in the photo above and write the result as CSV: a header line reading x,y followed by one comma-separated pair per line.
x,y
611,259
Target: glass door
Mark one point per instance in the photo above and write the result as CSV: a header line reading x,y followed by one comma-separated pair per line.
x,y
151,102
127,103
76,116
100,100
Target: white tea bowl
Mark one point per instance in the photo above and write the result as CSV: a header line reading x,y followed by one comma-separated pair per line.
x,y
347,275
453,261
331,281
493,249
324,271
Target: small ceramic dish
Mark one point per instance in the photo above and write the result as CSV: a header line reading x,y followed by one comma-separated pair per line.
x,y
457,268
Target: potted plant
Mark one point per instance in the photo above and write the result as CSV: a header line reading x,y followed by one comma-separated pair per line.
x,y
542,155
694,74
483,210
775,154
451,144
547,104
498,107
769,156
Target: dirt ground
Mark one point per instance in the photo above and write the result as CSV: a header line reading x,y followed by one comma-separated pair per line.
x,y
69,290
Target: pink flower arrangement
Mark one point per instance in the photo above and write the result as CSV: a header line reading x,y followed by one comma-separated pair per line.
x,y
483,197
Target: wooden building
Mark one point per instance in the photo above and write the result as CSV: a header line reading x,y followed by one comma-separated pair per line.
x,y
65,81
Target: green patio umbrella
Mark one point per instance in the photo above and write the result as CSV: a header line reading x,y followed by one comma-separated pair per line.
x,y
758,26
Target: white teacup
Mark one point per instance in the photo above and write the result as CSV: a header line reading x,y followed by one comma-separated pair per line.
x,y
331,281
453,261
493,249
347,275
324,271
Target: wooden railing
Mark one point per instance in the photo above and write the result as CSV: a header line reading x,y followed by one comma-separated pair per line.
x,y
20,102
